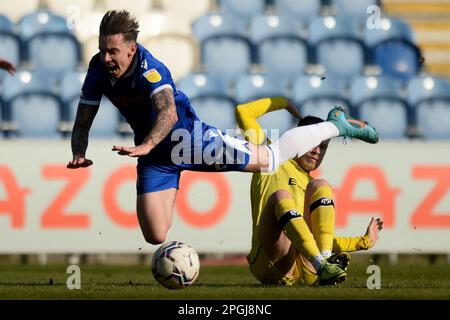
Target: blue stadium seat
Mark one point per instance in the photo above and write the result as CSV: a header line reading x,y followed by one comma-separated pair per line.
x,y
49,43
304,10
337,46
316,96
10,48
32,107
353,9
281,46
108,119
210,99
225,48
256,86
392,47
242,9
378,100
430,99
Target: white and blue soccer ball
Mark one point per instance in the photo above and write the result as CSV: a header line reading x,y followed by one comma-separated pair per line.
x,y
175,265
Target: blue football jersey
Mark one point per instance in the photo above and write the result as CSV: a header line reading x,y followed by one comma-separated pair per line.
x,y
132,92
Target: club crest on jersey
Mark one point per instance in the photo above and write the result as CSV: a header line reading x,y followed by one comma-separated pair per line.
x,y
152,76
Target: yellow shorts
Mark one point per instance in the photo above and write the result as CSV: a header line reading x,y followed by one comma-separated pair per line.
x,y
267,273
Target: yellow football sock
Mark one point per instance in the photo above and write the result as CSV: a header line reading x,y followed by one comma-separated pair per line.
x,y
297,230
322,219
350,244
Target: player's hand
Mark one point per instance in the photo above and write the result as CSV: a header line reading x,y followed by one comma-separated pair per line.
x,y
375,226
140,150
79,162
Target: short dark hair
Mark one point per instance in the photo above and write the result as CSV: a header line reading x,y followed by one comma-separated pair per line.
x,y
116,22
306,121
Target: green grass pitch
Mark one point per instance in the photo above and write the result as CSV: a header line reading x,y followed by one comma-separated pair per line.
x,y
229,282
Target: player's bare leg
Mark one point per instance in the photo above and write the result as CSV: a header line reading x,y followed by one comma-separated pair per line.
x,y
154,211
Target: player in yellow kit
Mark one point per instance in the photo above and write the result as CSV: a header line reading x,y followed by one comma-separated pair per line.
x,y
293,214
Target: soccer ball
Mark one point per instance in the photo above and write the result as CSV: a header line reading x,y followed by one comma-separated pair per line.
x,y
175,265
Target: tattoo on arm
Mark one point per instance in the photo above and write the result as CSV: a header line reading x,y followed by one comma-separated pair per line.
x,y
164,103
80,133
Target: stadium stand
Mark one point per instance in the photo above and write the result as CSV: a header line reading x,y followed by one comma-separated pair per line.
x,y
163,48
255,86
281,45
393,49
337,46
133,6
314,95
353,9
280,38
225,47
430,99
210,99
188,11
32,108
242,9
15,11
372,97
48,42
305,10
108,119
10,48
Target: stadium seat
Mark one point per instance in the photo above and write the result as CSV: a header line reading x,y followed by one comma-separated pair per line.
x,y
186,10
10,48
281,46
378,100
49,43
210,99
135,7
392,47
17,10
225,48
430,99
159,22
337,46
106,122
315,96
353,9
164,46
304,10
32,107
257,86
71,9
242,9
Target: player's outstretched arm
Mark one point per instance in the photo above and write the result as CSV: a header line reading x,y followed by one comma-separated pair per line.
x,y
80,135
164,104
373,229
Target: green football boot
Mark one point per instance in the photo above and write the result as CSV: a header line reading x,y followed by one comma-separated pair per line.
x,y
342,259
352,128
330,274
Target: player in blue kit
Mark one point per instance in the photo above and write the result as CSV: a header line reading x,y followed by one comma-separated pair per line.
x,y
169,138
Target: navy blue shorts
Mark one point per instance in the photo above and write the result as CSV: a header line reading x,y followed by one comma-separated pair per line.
x,y
217,151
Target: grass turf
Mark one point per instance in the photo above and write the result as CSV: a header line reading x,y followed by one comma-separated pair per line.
x,y
230,282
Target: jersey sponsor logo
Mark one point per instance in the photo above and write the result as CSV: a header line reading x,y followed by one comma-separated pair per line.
x,y
152,76
326,201
292,182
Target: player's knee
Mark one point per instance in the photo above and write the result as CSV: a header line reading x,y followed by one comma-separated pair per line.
x,y
318,183
280,195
